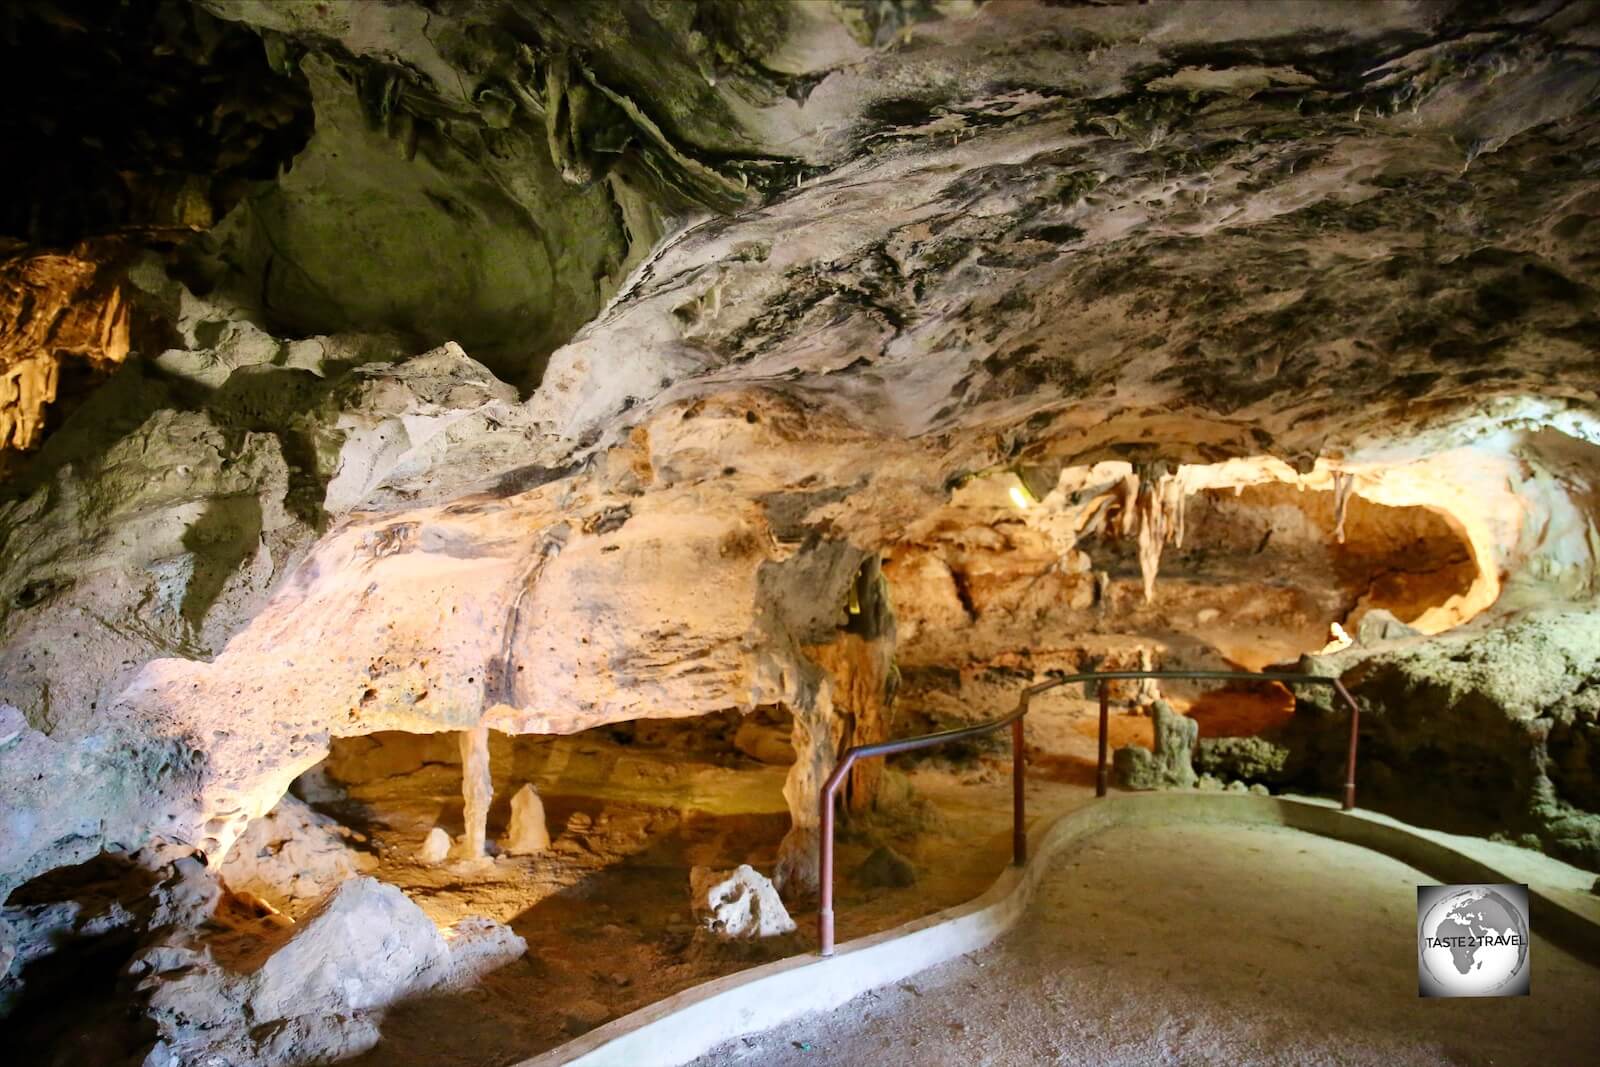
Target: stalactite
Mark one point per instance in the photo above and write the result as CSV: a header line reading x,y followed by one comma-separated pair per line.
x,y
54,307
477,790
1160,513
1151,537
1178,502
1128,521
1342,481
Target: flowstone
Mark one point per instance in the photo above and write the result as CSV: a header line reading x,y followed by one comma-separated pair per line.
x,y
1170,765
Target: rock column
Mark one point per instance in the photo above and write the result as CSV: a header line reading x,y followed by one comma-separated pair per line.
x,y
852,705
477,790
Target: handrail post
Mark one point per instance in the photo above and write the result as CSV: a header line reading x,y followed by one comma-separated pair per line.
x,y
825,872
1350,757
1019,836
1100,769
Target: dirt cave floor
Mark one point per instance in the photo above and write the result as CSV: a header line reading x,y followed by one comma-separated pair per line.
x,y
606,911
1202,944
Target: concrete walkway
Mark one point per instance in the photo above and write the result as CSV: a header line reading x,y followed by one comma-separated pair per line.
x,y
1201,944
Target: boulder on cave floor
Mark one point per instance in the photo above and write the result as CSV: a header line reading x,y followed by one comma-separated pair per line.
x,y
765,742
435,847
318,995
737,905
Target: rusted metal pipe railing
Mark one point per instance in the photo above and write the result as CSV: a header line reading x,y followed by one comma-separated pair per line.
x,y
1014,719
1105,722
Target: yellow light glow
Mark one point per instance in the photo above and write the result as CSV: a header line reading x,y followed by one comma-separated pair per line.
x,y
1338,639
1019,497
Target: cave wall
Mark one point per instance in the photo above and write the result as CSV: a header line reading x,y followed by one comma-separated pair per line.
x,y
824,260
1485,730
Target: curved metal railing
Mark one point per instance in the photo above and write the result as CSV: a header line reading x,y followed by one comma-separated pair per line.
x,y
1019,837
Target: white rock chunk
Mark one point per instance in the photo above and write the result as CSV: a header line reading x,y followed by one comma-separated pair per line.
x,y
319,997
528,833
435,847
738,904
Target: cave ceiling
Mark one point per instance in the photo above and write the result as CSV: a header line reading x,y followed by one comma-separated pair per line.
x,y
1013,215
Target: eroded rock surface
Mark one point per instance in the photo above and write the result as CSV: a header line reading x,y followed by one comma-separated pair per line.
x,y
737,904
1487,730
292,857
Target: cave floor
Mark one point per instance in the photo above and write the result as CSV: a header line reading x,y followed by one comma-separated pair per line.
x,y
606,910
1202,944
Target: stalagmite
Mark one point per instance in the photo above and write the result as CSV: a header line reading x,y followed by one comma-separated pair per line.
x,y
435,847
1342,480
1149,691
528,833
477,790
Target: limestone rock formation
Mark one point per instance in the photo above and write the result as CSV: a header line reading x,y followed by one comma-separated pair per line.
x,y
477,789
764,743
54,308
528,833
103,907
1488,729
737,905
1379,625
598,362
158,521
435,846
292,857
320,994
1170,765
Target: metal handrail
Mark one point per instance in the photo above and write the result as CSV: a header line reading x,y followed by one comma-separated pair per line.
x,y
1019,838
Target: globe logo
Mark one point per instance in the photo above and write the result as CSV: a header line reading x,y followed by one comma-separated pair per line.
x,y
1472,940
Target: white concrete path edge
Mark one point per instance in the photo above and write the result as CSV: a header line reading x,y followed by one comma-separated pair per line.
x,y
688,1024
